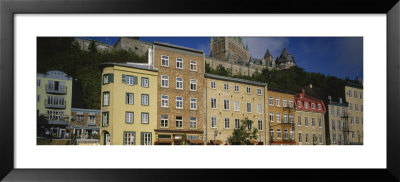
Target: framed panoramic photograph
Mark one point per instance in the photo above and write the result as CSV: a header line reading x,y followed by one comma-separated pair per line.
x,y
201,89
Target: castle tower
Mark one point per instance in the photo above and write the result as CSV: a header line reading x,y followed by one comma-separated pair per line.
x,y
220,47
285,60
268,59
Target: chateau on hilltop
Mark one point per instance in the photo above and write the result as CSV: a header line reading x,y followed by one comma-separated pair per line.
x,y
231,53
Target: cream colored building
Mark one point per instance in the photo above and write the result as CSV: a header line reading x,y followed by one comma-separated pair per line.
x,y
309,118
354,96
128,104
54,95
339,129
228,101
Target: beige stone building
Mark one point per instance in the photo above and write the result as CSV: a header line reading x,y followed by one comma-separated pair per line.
x,y
180,98
338,119
133,44
354,96
281,113
228,101
309,118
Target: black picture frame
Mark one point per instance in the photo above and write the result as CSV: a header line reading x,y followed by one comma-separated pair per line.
x,y
8,8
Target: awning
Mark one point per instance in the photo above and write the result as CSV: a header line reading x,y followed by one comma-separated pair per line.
x,y
196,142
165,141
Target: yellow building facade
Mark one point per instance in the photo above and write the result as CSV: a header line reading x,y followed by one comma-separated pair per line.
x,y
354,97
280,116
230,100
340,130
53,104
128,104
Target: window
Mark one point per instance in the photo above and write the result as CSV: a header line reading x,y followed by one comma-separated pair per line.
x,y
226,86
312,106
313,121
79,118
292,134
260,125
278,117
236,88
291,103
306,121
248,107
236,106
332,111
38,82
333,125
106,98
128,117
340,138
193,103
271,101
351,106
285,134
145,138
279,133
145,82
55,100
284,103
213,85
343,112
129,80
259,108
164,100
285,118
306,137
248,90
145,99
319,107
107,78
338,112
352,134
278,102
164,81
298,103
237,123
179,83
291,120
193,85
54,115
350,93
213,103
352,120
306,105
129,138
164,121
300,138
299,120
213,122
250,126
145,118
314,138
129,98
226,123
334,138
226,105
355,94
179,102
193,66
361,95
356,107
271,117
320,138
165,61
92,120
38,98
179,122
357,120
320,122
361,108
179,63
339,126
259,91
193,122
271,133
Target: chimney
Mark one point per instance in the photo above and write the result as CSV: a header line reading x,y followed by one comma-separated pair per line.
x,y
340,100
150,57
303,92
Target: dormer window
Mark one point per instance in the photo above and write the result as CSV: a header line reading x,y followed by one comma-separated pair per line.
x,y
298,103
306,105
312,106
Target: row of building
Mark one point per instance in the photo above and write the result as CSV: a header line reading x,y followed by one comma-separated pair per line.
x,y
172,101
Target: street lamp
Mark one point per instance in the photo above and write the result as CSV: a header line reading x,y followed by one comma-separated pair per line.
x,y
215,135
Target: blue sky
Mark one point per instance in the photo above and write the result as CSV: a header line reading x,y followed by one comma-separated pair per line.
x,y
336,56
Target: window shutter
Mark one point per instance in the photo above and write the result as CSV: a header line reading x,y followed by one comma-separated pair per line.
x,y
123,78
111,78
141,138
135,80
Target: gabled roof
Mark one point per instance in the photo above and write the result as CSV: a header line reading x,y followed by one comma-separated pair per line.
x,y
267,54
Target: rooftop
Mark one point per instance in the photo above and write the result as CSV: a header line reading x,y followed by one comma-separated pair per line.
x,y
281,90
352,84
178,47
232,79
130,65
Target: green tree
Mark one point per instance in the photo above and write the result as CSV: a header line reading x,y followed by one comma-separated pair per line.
x,y
92,46
244,134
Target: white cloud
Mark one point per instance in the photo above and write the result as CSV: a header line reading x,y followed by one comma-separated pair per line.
x,y
258,45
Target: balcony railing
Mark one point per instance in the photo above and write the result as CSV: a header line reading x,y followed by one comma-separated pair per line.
x,y
61,89
58,105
